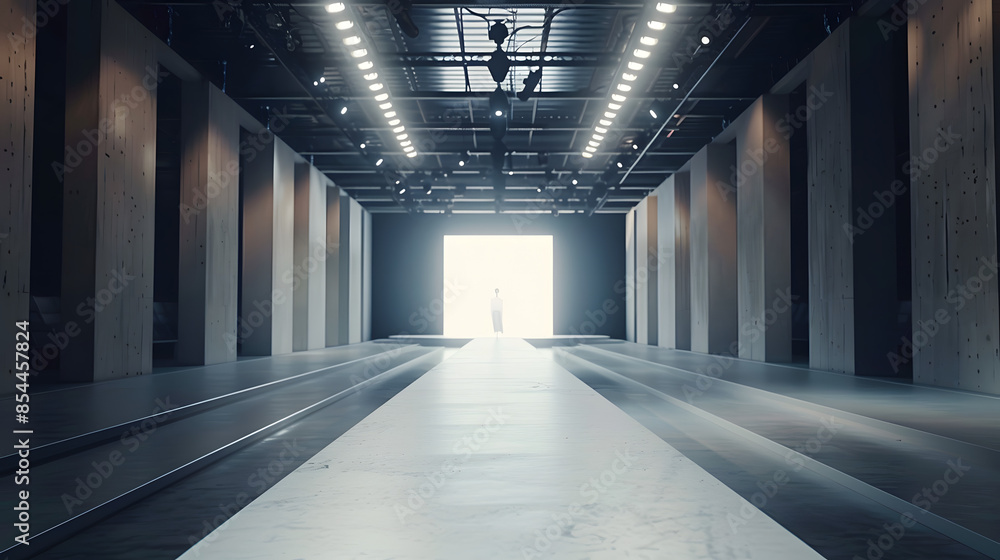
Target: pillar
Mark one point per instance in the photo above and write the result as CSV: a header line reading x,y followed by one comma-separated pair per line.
x,y
107,273
853,300
630,243
761,182
309,279
674,275
268,249
952,51
333,265
647,266
17,114
713,252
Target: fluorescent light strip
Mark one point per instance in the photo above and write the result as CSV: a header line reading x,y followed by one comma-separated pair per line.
x,y
370,75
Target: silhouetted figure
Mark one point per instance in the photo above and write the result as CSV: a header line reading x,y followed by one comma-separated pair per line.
x,y
496,306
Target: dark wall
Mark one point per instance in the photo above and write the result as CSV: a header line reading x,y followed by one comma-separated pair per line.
x,y
408,263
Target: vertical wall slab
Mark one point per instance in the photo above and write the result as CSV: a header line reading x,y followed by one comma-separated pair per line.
x,y
713,252
17,111
309,278
673,278
107,273
333,265
761,184
647,266
268,248
366,276
853,300
209,225
630,242
951,58
355,274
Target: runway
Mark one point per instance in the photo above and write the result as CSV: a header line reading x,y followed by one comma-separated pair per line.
x,y
498,452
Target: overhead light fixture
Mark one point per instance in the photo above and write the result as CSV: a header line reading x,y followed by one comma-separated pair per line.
x,y
358,53
590,149
649,41
666,8
411,154
401,136
587,155
629,77
352,40
371,76
618,97
604,122
398,129
677,86
404,143
601,129
464,158
390,114
335,8
598,137
365,65
384,106
641,53
322,79
614,106
382,97
633,65
408,148
378,162
610,115
499,106
594,143
620,165
706,40
344,25
624,87
393,122
540,188
656,25
362,145
376,86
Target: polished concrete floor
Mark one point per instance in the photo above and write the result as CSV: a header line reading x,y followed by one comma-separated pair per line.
x,y
499,452
506,450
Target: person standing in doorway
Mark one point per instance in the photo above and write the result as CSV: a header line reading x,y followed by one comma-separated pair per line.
x,y
496,306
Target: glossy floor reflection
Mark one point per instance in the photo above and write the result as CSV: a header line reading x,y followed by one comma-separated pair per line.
x,y
499,452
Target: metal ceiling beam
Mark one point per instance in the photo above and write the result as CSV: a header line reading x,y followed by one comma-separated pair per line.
x,y
461,95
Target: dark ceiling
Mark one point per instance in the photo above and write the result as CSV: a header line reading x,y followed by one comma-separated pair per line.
x,y
271,56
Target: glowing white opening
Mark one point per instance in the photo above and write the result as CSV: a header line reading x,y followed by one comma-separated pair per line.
x,y
519,265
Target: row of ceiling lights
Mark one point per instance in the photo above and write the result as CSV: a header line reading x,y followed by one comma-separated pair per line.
x,y
366,65
623,85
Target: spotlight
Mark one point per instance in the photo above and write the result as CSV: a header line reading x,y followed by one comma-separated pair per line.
x,y
378,162
540,188
620,165
706,40
530,83
499,106
362,145
464,158
402,189
677,86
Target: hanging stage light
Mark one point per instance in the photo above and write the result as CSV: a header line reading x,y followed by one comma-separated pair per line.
x,y
530,83
658,109
464,158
